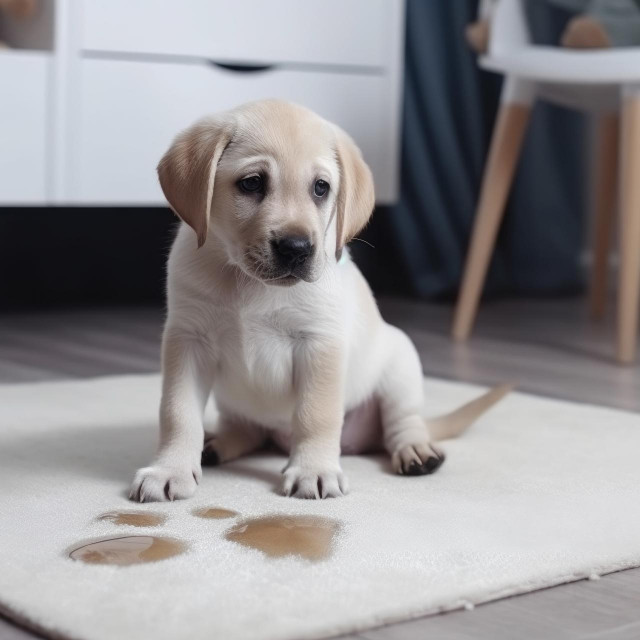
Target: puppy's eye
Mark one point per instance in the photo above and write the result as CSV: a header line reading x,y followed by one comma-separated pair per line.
x,y
320,188
251,184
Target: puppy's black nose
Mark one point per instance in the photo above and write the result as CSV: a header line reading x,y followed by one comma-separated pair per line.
x,y
292,251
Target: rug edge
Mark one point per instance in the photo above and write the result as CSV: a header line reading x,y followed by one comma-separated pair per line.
x,y
502,594
19,620
474,387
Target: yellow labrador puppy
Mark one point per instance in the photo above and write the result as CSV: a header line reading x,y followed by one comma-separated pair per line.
x,y
267,311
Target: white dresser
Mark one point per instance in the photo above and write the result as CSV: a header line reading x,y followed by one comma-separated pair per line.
x,y
93,99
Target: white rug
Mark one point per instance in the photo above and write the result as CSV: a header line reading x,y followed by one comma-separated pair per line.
x,y
537,493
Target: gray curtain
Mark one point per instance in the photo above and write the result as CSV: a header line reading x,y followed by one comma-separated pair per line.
x,y
449,111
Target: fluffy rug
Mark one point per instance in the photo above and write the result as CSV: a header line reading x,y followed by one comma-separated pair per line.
x,y
537,493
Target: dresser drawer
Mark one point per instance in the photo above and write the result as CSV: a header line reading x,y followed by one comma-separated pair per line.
x,y
23,130
332,32
132,110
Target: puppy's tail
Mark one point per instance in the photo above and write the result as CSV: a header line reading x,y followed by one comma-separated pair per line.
x,y
453,424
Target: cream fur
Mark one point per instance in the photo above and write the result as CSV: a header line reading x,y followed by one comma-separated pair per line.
x,y
292,358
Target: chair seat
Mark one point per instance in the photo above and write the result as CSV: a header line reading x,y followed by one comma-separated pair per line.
x,y
553,64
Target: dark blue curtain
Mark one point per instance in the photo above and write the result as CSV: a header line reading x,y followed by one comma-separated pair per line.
x,y
449,112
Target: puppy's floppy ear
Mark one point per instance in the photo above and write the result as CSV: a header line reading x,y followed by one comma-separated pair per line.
x,y
356,196
187,172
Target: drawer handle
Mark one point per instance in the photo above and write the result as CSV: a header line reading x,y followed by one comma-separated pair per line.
x,y
242,68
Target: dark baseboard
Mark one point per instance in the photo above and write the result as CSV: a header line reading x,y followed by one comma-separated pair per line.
x,y
76,256
80,256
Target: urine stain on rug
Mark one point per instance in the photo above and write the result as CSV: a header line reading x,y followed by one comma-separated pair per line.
x,y
310,537
214,513
134,518
128,550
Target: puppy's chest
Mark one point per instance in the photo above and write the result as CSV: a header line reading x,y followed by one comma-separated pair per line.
x,y
257,350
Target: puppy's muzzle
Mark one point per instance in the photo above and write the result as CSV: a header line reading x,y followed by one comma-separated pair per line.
x,y
292,252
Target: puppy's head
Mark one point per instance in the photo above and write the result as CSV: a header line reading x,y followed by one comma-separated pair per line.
x,y
281,188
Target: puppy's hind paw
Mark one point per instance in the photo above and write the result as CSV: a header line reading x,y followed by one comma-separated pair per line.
x,y
159,484
210,456
315,485
417,460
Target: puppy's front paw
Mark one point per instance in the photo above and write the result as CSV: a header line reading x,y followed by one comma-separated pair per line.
x,y
315,484
159,483
417,459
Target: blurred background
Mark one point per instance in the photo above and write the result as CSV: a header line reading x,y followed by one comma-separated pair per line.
x,y
91,94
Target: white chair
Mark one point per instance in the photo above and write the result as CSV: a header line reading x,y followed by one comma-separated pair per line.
x,y
605,81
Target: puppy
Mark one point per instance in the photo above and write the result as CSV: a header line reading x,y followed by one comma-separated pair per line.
x,y
267,311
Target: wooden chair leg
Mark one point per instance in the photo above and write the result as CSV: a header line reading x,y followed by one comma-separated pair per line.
x,y
629,277
605,203
505,149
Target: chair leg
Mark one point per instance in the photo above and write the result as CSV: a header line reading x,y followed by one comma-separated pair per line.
x,y
605,202
505,149
629,277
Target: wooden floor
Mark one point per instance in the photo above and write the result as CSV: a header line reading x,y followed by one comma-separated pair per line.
x,y
548,346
